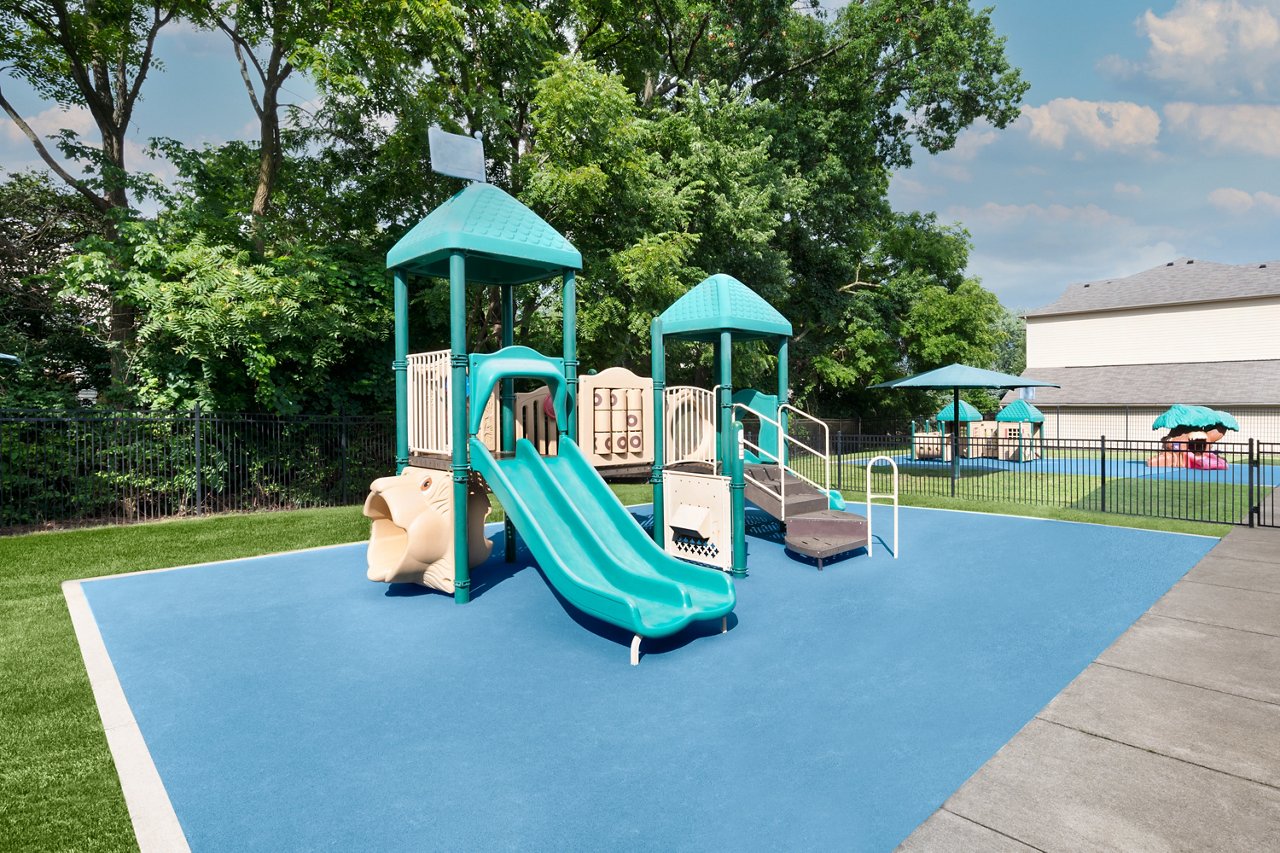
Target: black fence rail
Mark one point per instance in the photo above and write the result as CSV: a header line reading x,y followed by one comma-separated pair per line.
x,y
1226,483
97,467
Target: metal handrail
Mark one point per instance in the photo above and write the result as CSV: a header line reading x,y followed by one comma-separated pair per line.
x,y
893,494
783,468
826,440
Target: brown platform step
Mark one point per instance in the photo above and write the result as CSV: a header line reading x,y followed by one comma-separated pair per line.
x,y
823,548
801,497
829,523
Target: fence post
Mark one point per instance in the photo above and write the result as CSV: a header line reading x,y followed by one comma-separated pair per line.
x,y
1249,494
342,440
840,460
1103,445
195,417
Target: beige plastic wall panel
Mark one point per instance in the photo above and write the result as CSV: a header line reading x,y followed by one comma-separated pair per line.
x,y
429,402
690,428
411,540
933,445
533,422
615,418
1175,334
704,498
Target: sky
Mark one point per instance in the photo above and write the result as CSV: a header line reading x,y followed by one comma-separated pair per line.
x,y
1151,131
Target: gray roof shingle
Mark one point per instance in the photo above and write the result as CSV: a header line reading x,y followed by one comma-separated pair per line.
x,y
1182,281
1218,384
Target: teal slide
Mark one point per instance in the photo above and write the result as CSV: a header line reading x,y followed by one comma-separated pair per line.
x,y
592,550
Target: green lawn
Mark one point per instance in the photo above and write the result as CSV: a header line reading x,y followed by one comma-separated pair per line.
x,y
57,781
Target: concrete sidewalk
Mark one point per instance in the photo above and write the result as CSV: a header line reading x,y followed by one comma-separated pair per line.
x,y
1170,740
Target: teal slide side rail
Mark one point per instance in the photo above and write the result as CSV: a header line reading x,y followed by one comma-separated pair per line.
x,y
766,405
487,370
581,553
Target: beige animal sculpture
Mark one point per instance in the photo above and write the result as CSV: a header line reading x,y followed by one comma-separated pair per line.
x,y
412,536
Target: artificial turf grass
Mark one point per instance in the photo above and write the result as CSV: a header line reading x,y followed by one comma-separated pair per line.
x,y
57,781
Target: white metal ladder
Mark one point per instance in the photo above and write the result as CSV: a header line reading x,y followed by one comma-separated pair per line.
x,y
871,496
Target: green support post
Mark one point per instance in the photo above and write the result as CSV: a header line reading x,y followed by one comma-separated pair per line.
x,y
571,354
738,505
658,365
784,388
460,464
400,367
725,379
508,409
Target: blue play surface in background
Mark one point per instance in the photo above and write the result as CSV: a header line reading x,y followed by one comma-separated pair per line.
x,y
1235,475
290,704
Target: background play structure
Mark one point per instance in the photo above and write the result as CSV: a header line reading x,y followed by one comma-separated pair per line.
x,y
463,431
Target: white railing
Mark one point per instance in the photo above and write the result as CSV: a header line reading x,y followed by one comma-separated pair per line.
x,y
883,496
825,454
689,432
778,454
430,401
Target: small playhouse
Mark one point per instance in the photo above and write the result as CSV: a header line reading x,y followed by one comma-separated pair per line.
x,y
1016,434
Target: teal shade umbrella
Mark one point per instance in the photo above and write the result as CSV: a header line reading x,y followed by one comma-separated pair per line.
x,y
968,414
1202,417
955,377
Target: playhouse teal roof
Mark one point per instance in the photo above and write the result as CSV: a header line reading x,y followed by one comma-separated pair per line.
x,y
721,303
504,241
967,413
1020,411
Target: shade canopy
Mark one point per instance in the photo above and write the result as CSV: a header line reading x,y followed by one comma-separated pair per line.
x,y
1201,417
504,241
721,303
1020,411
964,376
968,414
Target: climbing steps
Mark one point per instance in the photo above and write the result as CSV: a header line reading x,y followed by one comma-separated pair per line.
x,y
812,528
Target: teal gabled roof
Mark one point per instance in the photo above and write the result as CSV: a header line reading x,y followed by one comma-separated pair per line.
x,y
504,241
1020,411
968,413
721,303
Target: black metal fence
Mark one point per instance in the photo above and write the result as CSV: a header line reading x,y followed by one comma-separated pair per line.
x,y
95,466
1226,483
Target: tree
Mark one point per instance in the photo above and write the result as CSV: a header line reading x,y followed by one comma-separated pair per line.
x,y
41,223
96,56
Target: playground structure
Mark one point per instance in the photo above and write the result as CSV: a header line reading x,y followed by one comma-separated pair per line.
x,y
1192,431
1016,434
463,431
705,468
460,422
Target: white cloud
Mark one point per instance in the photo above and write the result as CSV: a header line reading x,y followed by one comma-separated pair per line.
x,y
971,142
1120,125
1237,201
1215,47
1240,127
1026,253
51,121
1121,188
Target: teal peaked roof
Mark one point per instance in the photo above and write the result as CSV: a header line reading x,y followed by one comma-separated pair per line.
x,y
504,241
1020,411
968,413
721,303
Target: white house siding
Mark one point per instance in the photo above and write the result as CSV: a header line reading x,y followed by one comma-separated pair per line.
x,y
1133,423
1246,330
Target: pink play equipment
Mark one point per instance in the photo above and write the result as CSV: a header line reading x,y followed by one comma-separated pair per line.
x,y
1192,429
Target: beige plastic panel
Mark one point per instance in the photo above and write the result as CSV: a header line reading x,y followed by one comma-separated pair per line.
x,y
701,500
412,536
615,418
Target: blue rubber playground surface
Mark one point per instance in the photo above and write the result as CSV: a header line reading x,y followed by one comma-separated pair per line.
x,y
1235,475
290,704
